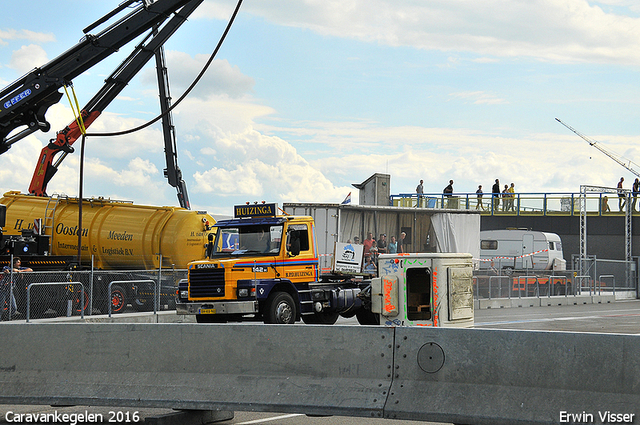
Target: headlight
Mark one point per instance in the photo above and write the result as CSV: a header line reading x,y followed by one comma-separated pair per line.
x,y
243,292
184,294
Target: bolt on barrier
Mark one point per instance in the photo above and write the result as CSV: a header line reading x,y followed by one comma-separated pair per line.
x,y
82,300
128,282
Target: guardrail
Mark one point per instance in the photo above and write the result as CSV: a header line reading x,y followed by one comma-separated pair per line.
x,y
561,203
82,299
469,376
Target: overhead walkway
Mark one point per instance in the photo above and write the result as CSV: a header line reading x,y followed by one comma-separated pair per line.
x,y
530,204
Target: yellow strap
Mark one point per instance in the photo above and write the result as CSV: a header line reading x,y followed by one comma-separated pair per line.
x,y
77,115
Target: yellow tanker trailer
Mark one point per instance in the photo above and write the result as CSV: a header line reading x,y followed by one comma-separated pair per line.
x,y
116,235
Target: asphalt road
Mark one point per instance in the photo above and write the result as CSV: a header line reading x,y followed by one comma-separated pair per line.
x,y
618,317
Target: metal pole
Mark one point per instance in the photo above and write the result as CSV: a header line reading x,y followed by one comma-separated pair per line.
x,y
84,136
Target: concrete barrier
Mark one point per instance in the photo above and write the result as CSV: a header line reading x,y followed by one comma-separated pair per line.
x,y
469,376
299,369
513,377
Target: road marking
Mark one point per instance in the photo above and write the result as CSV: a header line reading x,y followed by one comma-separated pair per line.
x,y
275,418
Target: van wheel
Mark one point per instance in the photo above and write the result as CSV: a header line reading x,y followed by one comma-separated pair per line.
x,y
280,309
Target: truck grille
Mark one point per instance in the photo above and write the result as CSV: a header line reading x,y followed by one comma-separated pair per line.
x,y
205,283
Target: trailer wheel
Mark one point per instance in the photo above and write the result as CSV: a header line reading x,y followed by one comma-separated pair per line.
x,y
280,309
118,299
324,318
77,305
366,317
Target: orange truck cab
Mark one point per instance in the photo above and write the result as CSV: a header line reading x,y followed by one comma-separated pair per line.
x,y
265,267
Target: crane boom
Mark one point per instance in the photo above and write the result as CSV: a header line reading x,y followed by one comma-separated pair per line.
x,y
629,165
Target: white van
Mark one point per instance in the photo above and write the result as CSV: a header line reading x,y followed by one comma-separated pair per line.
x,y
520,249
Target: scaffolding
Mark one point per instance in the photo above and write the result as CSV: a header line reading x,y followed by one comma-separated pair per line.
x,y
583,226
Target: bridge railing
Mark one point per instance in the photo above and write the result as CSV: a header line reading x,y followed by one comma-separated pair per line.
x,y
560,203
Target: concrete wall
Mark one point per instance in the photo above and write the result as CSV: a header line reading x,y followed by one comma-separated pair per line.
x,y
466,376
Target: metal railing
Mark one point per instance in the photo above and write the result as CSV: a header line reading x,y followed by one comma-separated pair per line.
x,y
132,282
48,293
560,203
81,300
498,283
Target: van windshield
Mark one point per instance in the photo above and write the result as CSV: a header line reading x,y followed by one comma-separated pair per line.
x,y
248,240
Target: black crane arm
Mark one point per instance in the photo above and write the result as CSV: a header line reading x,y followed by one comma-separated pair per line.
x,y
25,102
151,45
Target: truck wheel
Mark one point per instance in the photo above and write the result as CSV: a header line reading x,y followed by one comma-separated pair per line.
x,y
118,299
366,317
281,309
324,318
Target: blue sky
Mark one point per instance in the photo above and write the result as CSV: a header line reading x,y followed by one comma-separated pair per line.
x,y
307,97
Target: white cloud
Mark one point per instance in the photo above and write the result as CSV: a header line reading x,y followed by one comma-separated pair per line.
x,y
549,30
221,77
28,57
260,167
32,36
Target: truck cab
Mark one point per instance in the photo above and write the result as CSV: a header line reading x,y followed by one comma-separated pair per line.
x,y
258,264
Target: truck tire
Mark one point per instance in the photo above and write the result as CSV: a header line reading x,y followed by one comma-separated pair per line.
x,y
324,318
366,317
280,309
118,299
79,306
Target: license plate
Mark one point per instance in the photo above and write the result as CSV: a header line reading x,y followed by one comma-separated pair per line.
x,y
207,311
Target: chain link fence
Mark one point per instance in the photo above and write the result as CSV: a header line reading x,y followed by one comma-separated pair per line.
x,y
66,293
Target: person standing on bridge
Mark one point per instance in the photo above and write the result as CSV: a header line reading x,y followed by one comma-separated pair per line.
x,y
419,193
622,201
495,192
635,189
479,194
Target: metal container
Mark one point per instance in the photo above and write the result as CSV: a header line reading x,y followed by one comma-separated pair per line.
x,y
118,234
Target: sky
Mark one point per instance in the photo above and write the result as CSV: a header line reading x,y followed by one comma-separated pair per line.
x,y
307,97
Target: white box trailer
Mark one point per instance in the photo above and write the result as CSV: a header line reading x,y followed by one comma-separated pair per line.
x,y
424,290
520,249
426,229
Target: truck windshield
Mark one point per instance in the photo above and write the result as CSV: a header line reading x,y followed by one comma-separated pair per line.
x,y
248,240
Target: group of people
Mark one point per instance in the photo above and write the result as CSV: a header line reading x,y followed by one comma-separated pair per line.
x,y
373,248
507,195
622,197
